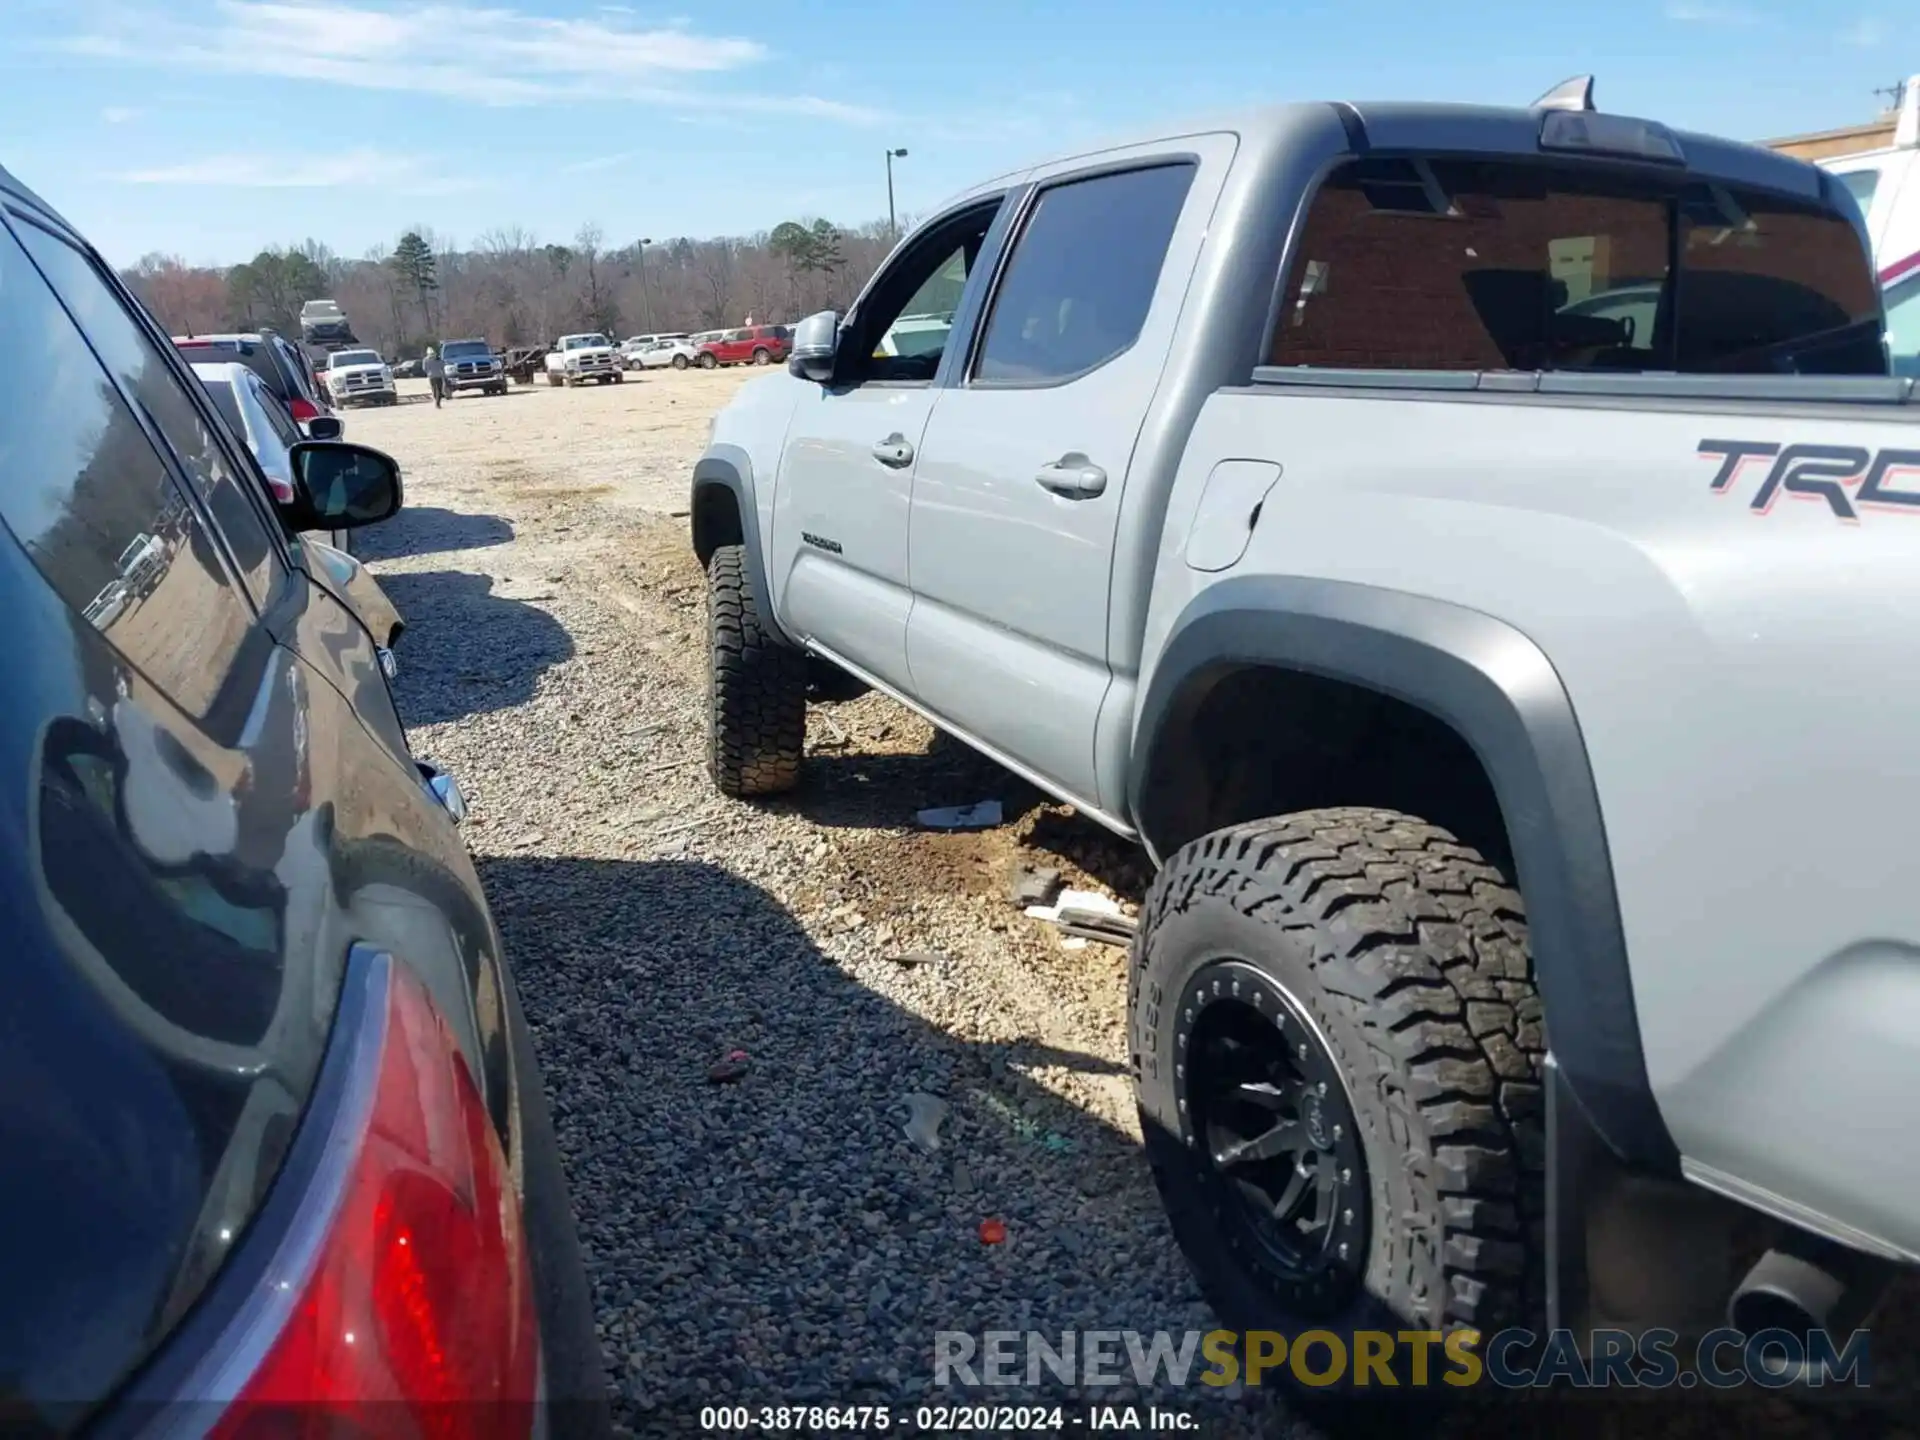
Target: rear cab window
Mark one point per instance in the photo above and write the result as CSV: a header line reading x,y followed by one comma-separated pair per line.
x,y
1470,265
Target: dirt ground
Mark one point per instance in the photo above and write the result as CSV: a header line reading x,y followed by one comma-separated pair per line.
x,y
555,659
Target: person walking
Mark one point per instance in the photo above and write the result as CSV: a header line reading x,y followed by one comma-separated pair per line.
x,y
436,369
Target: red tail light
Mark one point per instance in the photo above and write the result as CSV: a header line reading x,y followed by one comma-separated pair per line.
x,y
303,409
415,1316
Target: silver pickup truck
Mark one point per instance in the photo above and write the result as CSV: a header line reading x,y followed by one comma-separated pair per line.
x,y
1470,550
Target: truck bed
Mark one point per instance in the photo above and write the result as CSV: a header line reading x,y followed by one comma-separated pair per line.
x,y
1744,548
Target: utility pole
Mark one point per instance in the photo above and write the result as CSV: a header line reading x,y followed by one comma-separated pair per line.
x,y
893,227
646,296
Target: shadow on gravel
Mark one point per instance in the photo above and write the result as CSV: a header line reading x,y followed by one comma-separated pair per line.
x,y
851,791
467,651
780,1239
428,529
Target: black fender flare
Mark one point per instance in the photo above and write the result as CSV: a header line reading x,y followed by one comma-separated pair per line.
x,y
1502,695
728,468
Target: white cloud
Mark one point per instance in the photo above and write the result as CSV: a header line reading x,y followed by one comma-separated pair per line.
x,y
366,168
485,53
1688,12
118,114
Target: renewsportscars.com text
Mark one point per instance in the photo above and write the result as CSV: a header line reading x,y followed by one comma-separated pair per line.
x,y
1507,1359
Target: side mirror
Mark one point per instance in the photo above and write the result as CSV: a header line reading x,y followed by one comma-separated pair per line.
x,y
324,427
816,346
338,486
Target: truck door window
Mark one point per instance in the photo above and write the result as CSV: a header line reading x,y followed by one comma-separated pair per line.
x,y
87,496
1076,291
1406,264
905,317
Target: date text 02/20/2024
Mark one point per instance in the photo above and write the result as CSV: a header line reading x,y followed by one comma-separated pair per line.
x,y
941,1419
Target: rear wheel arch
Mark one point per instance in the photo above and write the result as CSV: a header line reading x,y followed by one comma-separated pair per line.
x,y
1361,695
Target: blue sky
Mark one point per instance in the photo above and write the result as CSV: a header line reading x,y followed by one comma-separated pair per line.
x,y
209,128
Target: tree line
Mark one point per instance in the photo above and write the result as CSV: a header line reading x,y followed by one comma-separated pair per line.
x,y
516,290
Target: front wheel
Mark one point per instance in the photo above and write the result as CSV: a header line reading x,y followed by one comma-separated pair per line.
x,y
679,362
709,362
1338,1049
619,379
552,378
756,691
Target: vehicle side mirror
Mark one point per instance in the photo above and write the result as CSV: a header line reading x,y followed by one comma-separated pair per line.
x,y
324,427
816,348
339,486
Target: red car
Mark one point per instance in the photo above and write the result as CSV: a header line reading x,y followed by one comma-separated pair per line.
x,y
754,345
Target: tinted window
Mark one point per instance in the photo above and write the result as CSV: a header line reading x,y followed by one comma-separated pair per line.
x,y
277,419
82,488
1082,275
232,494
229,408
1473,266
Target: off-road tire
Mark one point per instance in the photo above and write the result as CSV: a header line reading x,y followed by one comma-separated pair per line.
x,y
1409,954
680,362
756,688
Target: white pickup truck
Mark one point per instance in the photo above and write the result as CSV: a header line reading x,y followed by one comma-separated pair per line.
x,y
576,359
1375,511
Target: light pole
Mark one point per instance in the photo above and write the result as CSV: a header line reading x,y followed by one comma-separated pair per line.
x,y
646,298
893,228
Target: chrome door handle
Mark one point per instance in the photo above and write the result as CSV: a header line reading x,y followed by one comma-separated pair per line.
x,y
894,452
1074,476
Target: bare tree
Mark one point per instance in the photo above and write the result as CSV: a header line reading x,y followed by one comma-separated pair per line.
x,y
513,288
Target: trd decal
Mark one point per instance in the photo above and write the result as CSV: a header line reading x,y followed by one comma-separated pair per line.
x,y
1819,472
820,542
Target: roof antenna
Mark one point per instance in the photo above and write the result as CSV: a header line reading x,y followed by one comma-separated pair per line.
x,y
1574,94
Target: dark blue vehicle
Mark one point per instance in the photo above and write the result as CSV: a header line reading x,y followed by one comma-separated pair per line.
x,y
272,1129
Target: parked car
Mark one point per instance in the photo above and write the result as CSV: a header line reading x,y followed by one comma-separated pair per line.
x,y
678,351
1367,564
472,365
262,425
359,377
323,322
408,370
753,345
576,359
633,348
276,1133
281,366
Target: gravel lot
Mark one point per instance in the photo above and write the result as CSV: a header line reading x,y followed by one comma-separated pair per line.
x,y
778,1239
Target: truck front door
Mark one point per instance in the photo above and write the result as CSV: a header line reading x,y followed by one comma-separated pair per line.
x,y
838,558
